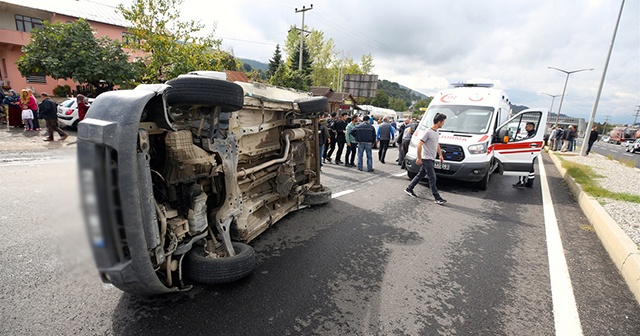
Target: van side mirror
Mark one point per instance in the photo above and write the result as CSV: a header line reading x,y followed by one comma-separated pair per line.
x,y
501,137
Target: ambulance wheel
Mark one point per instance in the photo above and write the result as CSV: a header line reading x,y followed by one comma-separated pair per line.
x,y
484,183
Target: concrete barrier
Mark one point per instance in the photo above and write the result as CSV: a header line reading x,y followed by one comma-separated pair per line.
x,y
623,251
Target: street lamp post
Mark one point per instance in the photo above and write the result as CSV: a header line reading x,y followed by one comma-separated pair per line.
x,y
553,97
565,87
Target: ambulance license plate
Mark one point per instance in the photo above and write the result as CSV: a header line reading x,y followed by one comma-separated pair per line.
x,y
443,166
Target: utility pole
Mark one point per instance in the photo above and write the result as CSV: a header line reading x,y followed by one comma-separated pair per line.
x,y
635,116
606,121
302,34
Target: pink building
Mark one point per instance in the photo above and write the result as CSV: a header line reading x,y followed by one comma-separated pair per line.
x,y
17,18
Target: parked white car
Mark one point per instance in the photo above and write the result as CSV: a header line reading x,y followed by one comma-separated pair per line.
x,y
68,113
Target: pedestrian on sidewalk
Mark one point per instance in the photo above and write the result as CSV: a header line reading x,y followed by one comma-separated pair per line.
x,y
48,113
593,137
428,148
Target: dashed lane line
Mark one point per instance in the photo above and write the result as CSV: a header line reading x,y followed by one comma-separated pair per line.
x,y
565,311
342,193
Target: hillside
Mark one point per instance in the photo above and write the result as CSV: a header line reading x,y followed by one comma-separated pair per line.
x,y
255,64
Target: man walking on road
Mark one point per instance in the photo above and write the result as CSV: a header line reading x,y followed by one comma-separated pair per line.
x,y
385,134
428,147
365,135
593,137
48,113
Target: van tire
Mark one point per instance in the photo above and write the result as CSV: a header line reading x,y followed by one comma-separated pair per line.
x,y
317,197
411,175
199,90
312,105
203,269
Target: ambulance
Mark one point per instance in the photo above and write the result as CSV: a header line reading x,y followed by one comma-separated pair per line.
x,y
480,135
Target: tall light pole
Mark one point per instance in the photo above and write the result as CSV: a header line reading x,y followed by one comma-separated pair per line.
x,y
583,152
553,97
565,87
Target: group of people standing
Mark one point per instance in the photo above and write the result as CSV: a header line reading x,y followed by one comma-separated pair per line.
x,y
359,136
563,140
23,111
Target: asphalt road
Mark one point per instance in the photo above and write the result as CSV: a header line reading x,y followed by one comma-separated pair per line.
x,y
616,152
372,262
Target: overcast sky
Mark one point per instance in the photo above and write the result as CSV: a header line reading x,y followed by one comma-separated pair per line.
x,y
425,45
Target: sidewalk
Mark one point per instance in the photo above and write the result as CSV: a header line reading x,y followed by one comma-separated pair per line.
x,y
617,223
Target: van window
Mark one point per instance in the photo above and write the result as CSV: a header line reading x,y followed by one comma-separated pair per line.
x,y
461,118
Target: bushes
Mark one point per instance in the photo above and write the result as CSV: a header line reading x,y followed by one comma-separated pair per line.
x,y
62,91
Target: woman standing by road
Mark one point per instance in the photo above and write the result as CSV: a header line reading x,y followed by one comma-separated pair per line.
x,y
82,106
15,111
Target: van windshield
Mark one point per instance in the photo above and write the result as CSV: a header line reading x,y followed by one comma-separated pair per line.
x,y
461,118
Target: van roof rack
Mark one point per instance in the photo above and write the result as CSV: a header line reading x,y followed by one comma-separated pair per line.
x,y
463,84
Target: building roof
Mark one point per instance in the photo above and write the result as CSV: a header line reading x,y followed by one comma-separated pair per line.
x,y
321,91
339,97
236,76
86,9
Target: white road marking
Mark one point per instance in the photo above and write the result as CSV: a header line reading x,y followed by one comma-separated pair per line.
x,y
565,311
401,174
342,193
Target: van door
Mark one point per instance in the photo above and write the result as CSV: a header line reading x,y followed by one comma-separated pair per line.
x,y
514,147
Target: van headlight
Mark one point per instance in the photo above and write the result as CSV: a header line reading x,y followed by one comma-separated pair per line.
x,y
478,148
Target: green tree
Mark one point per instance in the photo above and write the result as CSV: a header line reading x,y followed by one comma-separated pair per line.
x,y
421,104
366,64
71,51
397,104
285,77
381,99
169,46
275,62
326,66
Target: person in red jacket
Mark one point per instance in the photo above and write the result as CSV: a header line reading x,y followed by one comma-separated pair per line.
x,y
83,106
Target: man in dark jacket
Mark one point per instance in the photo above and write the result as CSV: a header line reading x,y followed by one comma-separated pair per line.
x,y
365,135
339,128
330,145
593,137
48,113
567,136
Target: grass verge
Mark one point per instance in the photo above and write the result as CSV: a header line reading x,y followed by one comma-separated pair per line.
x,y
586,177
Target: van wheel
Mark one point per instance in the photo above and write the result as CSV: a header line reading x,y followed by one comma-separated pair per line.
x,y
200,90
411,175
484,183
317,197
312,105
204,269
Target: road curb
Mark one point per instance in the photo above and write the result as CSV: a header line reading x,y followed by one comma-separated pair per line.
x,y
622,250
